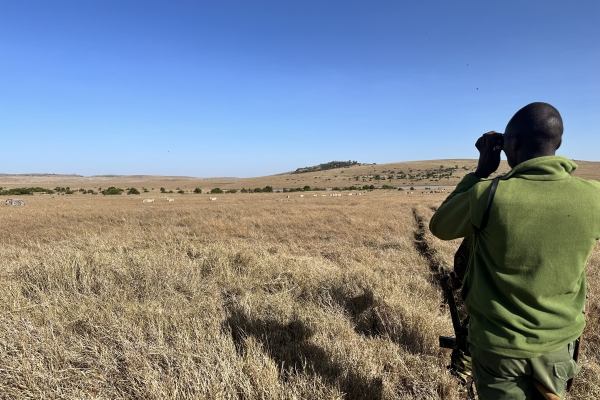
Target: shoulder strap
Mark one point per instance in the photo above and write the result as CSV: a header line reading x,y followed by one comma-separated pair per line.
x,y
486,213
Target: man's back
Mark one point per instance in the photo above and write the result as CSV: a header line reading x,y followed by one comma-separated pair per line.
x,y
525,286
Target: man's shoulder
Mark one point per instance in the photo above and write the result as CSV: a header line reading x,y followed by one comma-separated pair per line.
x,y
586,183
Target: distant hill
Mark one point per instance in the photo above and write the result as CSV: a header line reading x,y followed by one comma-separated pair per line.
x,y
326,166
333,174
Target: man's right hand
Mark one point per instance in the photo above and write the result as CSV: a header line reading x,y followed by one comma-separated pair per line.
x,y
489,153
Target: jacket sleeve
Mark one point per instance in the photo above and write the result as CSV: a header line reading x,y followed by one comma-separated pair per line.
x,y
453,218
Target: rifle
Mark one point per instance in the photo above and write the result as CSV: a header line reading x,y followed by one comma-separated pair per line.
x,y
460,358
577,349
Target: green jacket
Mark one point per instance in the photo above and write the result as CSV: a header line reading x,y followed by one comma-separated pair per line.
x,y
525,287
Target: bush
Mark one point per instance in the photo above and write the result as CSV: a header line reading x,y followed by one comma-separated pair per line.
x,y
232,191
216,191
244,190
24,191
111,191
181,191
268,189
132,191
197,190
162,190
387,187
306,188
412,188
257,190
365,187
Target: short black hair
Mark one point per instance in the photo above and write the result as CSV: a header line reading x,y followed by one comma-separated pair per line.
x,y
538,125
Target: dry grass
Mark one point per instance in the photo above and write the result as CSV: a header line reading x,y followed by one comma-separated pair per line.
x,y
253,296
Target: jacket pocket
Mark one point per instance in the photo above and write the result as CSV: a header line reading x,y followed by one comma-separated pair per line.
x,y
566,370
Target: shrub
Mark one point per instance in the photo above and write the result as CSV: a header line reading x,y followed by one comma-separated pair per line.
x,y
388,187
216,191
268,189
306,188
181,191
257,190
24,191
162,190
232,191
132,191
197,190
111,191
244,190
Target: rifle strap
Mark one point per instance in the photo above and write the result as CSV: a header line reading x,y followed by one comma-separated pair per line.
x,y
488,205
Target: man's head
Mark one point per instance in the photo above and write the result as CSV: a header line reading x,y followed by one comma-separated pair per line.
x,y
534,131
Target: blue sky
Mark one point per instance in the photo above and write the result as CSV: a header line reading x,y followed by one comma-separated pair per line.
x,y
249,88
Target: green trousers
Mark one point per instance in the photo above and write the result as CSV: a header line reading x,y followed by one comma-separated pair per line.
x,y
498,377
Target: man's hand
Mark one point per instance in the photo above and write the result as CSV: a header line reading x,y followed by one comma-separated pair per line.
x,y
489,153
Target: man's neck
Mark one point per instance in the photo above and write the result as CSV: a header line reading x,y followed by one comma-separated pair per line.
x,y
528,156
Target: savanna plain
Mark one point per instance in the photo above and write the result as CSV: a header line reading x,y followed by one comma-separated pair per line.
x,y
251,296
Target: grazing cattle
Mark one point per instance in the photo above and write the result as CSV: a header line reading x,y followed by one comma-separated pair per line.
x,y
148,201
169,199
11,202
301,195
288,197
315,195
212,198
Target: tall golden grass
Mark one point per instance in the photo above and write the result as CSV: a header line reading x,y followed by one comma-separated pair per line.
x,y
252,296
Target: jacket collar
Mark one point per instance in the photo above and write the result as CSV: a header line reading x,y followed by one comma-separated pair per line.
x,y
549,168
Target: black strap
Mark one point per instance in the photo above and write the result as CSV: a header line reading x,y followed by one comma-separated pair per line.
x,y
486,213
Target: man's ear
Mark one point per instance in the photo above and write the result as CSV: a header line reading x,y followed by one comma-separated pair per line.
x,y
559,143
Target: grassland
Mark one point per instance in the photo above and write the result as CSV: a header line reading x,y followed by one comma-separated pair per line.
x,y
252,296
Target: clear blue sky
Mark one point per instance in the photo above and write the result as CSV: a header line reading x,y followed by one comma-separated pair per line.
x,y
248,88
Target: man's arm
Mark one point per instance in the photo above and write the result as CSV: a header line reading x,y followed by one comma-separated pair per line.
x,y
453,219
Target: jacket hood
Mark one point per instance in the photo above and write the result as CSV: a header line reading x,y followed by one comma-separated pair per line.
x,y
548,168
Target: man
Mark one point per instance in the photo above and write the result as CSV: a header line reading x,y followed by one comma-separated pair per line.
x,y
525,286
